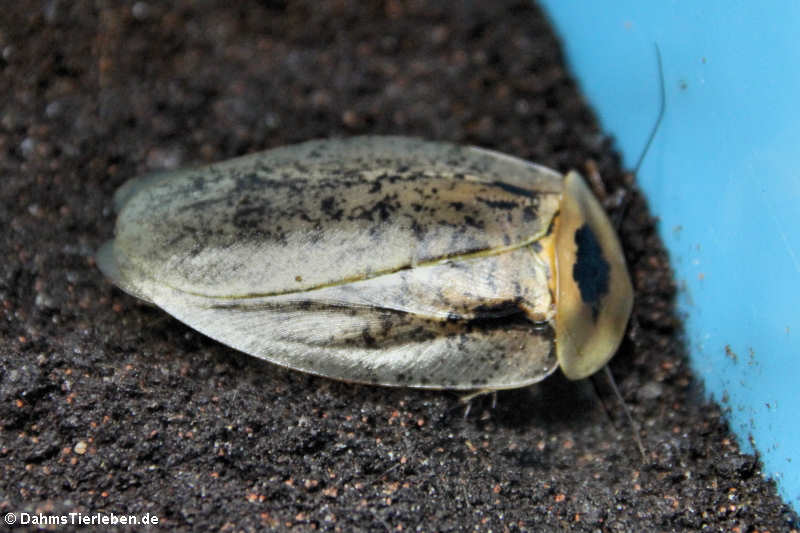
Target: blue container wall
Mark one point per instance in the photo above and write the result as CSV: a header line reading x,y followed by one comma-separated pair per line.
x,y
723,177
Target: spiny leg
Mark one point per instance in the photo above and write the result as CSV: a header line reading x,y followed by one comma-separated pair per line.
x,y
467,399
634,426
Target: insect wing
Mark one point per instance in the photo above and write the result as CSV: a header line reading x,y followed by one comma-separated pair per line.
x,y
340,332
326,212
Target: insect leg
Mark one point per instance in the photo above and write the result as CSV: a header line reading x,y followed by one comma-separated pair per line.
x,y
636,434
467,399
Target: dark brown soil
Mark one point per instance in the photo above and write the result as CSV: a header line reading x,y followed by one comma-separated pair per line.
x,y
107,405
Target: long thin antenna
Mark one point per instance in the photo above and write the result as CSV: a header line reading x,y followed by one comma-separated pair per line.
x,y
661,110
662,106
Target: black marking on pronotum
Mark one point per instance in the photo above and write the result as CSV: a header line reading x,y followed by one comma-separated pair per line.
x,y
591,270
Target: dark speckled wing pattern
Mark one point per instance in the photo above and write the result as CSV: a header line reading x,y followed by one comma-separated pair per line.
x,y
380,260
326,212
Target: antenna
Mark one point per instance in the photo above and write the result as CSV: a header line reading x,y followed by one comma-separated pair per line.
x,y
662,107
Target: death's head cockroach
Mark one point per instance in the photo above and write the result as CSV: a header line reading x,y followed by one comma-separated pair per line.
x,y
383,260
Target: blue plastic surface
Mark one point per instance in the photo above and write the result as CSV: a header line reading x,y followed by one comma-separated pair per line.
x,y
723,176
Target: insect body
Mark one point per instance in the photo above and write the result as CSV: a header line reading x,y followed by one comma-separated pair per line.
x,y
382,260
